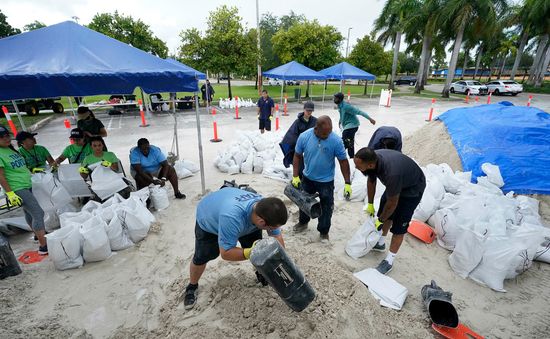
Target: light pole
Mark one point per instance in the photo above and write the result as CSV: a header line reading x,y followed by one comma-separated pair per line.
x,y
347,44
259,76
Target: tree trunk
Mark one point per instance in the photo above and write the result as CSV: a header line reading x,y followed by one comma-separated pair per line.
x,y
426,69
479,55
365,89
395,58
539,79
426,43
454,59
536,62
229,86
519,54
307,89
502,67
218,76
466,55
256,82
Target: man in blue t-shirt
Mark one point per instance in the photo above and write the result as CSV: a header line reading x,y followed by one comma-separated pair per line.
x,y
318,147
224,218
149,166
266,108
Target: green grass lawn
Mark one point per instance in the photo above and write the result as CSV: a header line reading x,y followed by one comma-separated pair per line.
x,y
27,120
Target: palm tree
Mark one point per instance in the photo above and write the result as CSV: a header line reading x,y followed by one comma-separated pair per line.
x,y
391,22
539,19
520,18
458,14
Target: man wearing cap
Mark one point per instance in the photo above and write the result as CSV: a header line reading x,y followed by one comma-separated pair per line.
x,y
77,151
35,155
207,92
349,122
266,108
149,166
386,137
89,124
303,122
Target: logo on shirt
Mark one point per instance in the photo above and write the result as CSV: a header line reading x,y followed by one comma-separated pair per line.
x,y
246,197
16,161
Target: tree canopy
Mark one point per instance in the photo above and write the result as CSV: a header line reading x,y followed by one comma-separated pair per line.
x,y
5,27
33,25
370,56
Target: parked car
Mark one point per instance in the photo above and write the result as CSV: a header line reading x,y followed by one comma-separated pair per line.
x,y
33,106
277,82
405,80
224,77
468,86
505,87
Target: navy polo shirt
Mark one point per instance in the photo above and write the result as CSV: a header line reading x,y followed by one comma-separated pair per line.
x,y
265,106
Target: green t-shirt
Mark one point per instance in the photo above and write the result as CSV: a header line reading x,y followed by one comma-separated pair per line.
x,y
72,152
35,157
92,159
16,172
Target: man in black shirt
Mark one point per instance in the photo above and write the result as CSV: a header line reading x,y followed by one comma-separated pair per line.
x,y
405,184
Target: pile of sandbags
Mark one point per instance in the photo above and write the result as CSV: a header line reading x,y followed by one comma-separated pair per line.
x,y
98,229
185,168
254,152
492,236
231,103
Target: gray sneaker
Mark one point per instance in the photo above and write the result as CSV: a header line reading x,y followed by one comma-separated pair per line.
x,y
379,248
324,237
299,227
384,267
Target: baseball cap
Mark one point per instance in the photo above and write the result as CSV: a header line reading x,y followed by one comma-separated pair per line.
x,y
4,131
24,135
309,106
77,133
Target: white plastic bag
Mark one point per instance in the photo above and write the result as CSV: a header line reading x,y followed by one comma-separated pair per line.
x,y
96,246
51,220
543,252
142,195
137,227
159,197
467,253
446,228
426,208
90,206
363,240
49,192
117,232
64,247
493,174
71,218
105,182
181,171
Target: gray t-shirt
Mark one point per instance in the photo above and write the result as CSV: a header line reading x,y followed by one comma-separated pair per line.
x,y
399,173
385,132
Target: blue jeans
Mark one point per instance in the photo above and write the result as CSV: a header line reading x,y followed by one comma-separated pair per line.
x,y
326,196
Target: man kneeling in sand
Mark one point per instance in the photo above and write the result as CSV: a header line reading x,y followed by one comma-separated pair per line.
x,y
225,217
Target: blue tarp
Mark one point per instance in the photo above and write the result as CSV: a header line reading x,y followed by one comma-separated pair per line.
x,y
67,59
198,75
515,138
293,71
343,71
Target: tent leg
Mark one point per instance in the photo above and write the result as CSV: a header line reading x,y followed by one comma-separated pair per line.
x,y
200,141
176,128
372,88
282,87
72,110
323,102
340,90
18,115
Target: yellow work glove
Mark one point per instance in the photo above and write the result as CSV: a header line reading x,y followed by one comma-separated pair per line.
x,y
247,251
37,170
296,182
370,210
83,170
378,224
14,199
270,117
347,191
106,163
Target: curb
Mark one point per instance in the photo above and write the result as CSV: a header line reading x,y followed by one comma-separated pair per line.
x,y
41,123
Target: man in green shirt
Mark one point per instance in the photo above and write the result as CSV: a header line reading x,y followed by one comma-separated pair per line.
x,y
77,151
349,122
35,155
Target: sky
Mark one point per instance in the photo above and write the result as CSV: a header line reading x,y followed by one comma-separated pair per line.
x,y
167,18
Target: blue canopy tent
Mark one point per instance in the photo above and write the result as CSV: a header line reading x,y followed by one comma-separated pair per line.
x,y
293,71
344,70
73,60
198,75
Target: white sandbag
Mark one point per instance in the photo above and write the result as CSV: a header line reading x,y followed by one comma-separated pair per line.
x,y
159,197
114,200
363,240
543,252
258,164
136,207
449,201
18,222
446,228
190,166
106,213
467,253
181,171
49,192
426,208
105,182
71,207
233,169
493,174
435,188
389,292
248,165
72,218
488,185
137,228
96,246
64,248
528,210
142,195
51,220
117,232
90,206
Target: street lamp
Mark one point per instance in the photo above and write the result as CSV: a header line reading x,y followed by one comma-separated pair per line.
x,y
347,44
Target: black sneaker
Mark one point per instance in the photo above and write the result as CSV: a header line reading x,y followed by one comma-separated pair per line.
x,y
297,228
190,298
180,195
384,267
43,250
379,248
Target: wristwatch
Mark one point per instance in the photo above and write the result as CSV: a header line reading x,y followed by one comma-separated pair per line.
x,y
163,178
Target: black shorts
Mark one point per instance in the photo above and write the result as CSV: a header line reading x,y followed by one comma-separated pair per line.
x,y
265,124
403,213
207,247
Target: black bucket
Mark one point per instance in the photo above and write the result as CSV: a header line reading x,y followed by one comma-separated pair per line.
x,y
280,272
8,263
306,202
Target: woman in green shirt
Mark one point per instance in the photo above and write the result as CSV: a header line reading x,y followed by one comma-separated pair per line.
x,y
35,155
107,159
15,178
75,152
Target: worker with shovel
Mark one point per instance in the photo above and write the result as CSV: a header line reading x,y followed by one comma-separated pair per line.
x,y
405,184
318,147
224,218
